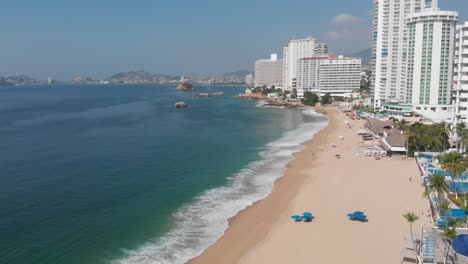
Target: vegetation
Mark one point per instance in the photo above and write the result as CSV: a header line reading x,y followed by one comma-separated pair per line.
x,y
366,84
460,201
326,99
310,99
455,164
428,138
450,233
438,186
462,136
411,218
294,93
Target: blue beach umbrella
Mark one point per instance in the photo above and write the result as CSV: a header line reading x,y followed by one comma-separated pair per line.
x,y
307,215
296,217
351,215
358,213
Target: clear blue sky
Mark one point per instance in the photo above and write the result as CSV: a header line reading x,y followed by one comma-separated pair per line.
x,y
66,39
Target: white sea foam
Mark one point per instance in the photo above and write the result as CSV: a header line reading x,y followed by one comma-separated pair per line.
x,y
202,222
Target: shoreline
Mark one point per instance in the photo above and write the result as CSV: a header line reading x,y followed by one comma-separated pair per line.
x,y
314,180
284,187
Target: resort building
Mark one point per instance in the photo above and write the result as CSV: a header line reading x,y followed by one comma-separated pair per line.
x,y
296,50
390,46
321,75
460,79
431,36
394,141
321,49
397,109
378,128
269,72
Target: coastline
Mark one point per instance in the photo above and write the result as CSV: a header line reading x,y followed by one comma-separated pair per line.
x,y
264,232
284,190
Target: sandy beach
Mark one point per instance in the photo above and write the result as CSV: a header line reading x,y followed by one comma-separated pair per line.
x,y
330,188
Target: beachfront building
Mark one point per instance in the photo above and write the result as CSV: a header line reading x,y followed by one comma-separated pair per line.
x,y
460,79
394,141
321,49
431,36
269,72
378,128
339,76
296,50
390,46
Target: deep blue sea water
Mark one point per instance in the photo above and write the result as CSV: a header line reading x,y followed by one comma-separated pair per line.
x,y
115,174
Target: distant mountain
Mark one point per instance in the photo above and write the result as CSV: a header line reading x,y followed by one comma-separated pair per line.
x,y
365,55
18,80
233,77
85,80
141,77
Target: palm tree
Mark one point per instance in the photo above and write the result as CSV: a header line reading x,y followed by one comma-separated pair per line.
x,y
459,130
437,185
402,124
450,233
412,137
455,164
445,132
463,140
444,206
411,218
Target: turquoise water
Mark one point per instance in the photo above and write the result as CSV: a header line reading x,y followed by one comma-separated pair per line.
x,y
116,174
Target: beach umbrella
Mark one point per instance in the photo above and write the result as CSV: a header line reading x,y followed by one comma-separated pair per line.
x,y
307,215
296,217
351,215
358,213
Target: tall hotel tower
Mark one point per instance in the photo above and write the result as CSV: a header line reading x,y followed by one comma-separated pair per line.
x,y
297,49
430,63
390,46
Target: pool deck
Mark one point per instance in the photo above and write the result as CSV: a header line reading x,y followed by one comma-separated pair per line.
x,y
441,245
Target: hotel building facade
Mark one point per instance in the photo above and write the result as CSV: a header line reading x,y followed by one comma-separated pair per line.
x,y
390,46
460,77
269,72
321,75
296,50
430,63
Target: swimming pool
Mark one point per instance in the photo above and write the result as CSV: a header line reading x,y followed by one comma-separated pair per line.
x,y
461,187
461,245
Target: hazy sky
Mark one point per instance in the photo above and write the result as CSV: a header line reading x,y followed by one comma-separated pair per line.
x,y
66,39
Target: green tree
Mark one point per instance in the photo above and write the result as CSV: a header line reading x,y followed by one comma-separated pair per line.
x,y
326,99
455,164
366,83
411,218
310,99
294,93
400,124
438,186
450,233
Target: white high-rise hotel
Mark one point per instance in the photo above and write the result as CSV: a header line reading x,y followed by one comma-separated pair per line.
x,y
296,49
269,72
390,46
431,42
460,79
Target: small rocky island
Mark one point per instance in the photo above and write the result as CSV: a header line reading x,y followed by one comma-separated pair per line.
x,y
181,105
185,86
209,95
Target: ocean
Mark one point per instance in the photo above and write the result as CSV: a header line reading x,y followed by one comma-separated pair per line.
x,y
115,174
